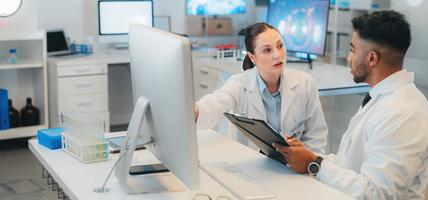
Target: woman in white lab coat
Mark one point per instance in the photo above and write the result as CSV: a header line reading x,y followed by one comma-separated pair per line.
x,y
287,99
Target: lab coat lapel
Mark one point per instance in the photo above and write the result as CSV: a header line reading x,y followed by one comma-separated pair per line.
x,y
254,94
287,93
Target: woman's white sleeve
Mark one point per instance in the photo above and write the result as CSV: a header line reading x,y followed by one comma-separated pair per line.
x,y
212,106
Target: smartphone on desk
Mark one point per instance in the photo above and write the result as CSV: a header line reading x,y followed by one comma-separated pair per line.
x,y
147,169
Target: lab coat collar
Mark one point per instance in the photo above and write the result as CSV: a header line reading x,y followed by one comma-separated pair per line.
x,y
288,83
391,83
255,96
388,85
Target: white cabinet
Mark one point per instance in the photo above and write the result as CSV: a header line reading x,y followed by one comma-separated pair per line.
x,y
206,79
26,78
78,86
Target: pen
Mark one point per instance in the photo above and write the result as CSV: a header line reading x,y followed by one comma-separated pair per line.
x,y
294,135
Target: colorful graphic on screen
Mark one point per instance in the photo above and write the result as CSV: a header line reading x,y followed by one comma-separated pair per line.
x,y
215,7
302,23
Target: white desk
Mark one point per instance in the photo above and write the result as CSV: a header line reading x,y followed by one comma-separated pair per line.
x,y
330,79
78,180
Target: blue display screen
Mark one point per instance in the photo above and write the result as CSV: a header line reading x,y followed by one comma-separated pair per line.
x,y
215,7
301,23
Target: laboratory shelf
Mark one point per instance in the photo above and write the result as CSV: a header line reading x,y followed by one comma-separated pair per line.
x,y
22,64
25,79
21,132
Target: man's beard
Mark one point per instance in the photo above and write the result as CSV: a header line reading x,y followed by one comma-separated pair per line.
x,y
360,74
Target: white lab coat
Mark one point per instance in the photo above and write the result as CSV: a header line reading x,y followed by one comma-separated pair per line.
x,y
383,153
300,106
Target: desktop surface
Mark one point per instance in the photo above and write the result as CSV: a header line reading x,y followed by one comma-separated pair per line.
x,y
78,179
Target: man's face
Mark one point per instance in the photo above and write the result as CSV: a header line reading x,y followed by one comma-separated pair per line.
x,y
357,59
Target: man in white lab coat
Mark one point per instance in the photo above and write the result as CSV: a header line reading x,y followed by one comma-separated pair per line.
x,y
383,153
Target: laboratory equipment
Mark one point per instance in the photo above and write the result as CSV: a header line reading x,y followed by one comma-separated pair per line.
x,y
50,138
30,115
4,111
13,116
81,125
12,56
83,136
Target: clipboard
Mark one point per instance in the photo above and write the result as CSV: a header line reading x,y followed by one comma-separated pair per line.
x,y
261,134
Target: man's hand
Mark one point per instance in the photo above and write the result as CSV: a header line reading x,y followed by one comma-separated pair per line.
x,y
297,155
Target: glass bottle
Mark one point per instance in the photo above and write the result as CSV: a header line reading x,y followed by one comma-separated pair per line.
x,y
12,56
30,115
13,116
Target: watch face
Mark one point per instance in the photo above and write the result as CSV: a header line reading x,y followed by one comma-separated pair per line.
x,y
314,168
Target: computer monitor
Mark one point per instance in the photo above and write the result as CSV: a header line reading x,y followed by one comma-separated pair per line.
x,y
57,43
162,85
115,16
301,23
215,7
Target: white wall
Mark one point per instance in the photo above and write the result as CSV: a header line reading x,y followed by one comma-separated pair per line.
x,y
418,20
79,17
174,9
26,19
417,55
62,14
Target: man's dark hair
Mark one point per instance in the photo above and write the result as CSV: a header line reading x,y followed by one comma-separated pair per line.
x,y
388,28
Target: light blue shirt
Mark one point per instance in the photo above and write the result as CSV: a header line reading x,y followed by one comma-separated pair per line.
x,y
272,104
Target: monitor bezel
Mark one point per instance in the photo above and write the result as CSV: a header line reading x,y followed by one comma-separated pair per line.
x,y
326,30
99,15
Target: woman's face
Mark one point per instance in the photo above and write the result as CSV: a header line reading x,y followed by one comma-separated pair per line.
x,y
269,53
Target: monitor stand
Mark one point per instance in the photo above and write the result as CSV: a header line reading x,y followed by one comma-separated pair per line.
x,y
307,60
150,182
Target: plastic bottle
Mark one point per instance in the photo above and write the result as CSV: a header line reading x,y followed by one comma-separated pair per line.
x,y
13,116
12,56
30,115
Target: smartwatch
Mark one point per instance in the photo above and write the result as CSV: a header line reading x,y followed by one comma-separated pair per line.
x,y
315,166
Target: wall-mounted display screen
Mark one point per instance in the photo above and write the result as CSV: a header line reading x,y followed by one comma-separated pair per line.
x,y
301,23
215,7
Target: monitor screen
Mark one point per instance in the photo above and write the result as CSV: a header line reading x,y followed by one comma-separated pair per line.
x,y
215,7
115,16
301,23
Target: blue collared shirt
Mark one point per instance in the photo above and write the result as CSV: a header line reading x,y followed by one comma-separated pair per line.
x,y
272,104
